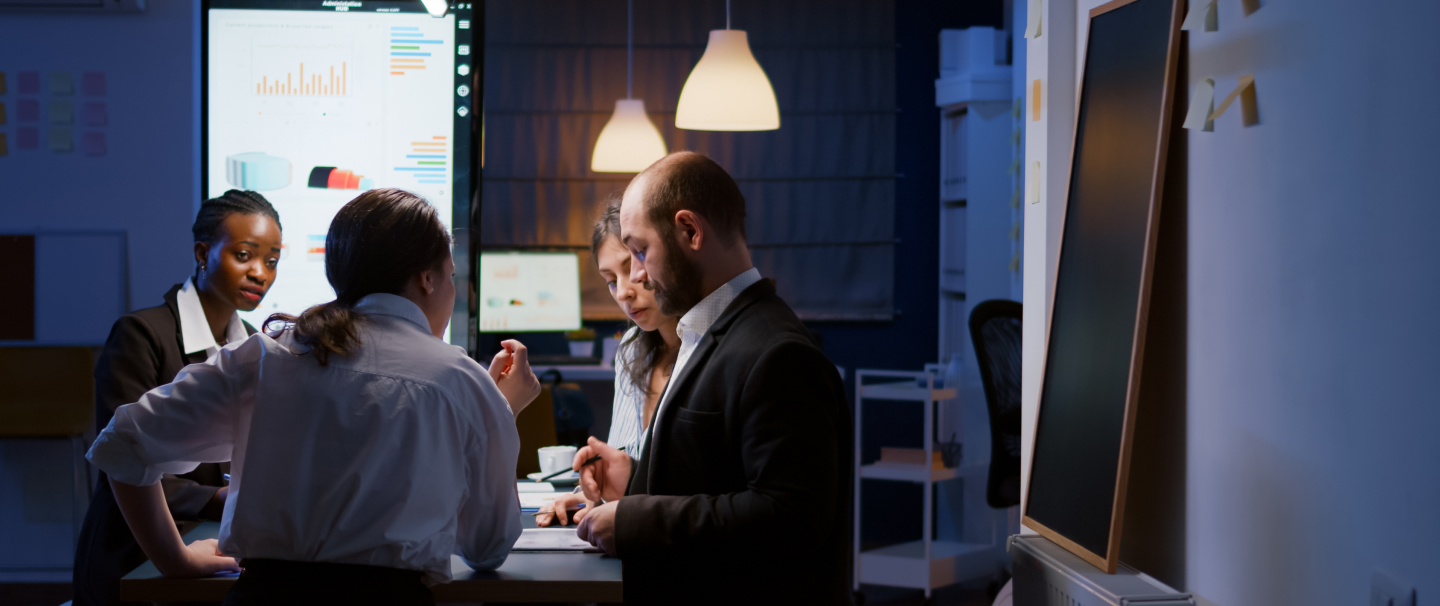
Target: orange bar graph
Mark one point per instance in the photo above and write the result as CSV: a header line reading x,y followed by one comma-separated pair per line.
x,y
296,84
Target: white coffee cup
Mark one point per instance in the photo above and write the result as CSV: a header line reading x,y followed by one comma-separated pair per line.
x,y
556,458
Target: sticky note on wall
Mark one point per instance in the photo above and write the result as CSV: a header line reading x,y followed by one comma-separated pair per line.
x,y
60,140
28,110
1202,103
1035,103
2,113
1202,15
2,83
1246,85
61,112
27,137
4,145
1032,18
61,83
94,114
1035,183
93,144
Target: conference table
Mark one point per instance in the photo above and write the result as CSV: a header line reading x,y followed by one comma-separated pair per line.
x,y
526,576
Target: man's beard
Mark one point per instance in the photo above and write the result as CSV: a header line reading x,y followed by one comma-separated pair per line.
x,y
681,289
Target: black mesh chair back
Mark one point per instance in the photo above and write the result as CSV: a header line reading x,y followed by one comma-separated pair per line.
x,y
995,330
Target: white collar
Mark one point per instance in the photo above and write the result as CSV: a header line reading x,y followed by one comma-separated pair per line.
x,y
698,320
195,332
387,304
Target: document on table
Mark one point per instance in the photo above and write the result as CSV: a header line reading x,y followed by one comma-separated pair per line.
x,y
552,539
532,501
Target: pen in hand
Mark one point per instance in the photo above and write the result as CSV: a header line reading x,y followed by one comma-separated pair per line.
x,y
565,471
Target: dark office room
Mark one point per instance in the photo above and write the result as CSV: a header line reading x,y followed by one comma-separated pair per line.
x,y
853,302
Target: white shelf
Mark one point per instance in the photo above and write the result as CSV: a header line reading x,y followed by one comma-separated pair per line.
x,y
904,390
918,473
903,565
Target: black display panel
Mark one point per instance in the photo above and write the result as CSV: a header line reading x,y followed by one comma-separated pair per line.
x,y
1096,333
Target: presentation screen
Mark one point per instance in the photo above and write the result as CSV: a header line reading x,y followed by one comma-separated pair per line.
x,y
529,292
311,102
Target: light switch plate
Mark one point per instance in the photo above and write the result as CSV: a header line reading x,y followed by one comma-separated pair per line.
x,y
1390,589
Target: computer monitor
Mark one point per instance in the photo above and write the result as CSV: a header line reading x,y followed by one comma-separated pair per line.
x,y
529,291
312,102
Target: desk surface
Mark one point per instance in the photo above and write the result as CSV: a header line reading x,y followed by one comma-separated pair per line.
x,y
526,576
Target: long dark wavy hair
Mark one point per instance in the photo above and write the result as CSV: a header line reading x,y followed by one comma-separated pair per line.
x,y
650,349
377,242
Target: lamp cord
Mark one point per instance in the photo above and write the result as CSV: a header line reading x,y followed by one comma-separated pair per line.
x,y
727,14
630,51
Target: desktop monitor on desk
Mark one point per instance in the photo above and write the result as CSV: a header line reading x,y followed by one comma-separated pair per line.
x,y
528,291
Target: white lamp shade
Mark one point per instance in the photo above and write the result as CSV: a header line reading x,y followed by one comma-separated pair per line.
x,y
727,89
436,8
629,143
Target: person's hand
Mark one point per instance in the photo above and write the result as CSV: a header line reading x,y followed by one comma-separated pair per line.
x,y
606,479
512,374
598,527
199,559
559,510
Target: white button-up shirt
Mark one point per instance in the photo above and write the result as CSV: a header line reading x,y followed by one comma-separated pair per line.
x,y
195,332
695,323
398,455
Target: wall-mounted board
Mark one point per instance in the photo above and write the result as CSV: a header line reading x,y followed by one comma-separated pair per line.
x,y
1096,333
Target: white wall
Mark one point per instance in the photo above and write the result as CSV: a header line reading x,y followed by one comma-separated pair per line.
x,y
1310,272
146,183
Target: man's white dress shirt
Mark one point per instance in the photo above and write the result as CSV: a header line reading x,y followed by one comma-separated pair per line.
x,y
695,323
195,332
398,455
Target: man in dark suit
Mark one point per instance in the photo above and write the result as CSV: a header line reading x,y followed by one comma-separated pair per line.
x,y
743,493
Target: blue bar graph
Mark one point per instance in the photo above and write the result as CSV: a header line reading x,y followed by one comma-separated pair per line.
x,y
415,41
407,34
442,156
397,28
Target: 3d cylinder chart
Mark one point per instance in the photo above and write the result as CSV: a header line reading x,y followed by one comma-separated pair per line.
x,y
330,177
257,171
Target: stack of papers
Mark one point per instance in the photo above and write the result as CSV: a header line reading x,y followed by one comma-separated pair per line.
x,y
551,539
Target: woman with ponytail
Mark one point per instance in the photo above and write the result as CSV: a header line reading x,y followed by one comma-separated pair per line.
x,y
365,450
237,254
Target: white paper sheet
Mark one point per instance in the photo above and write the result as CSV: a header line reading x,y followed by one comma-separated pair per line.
x,y
1202,103
551,539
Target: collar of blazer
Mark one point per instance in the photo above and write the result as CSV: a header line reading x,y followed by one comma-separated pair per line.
x,y
764,288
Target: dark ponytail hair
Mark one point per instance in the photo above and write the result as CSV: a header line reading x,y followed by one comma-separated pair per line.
x,y
377,242
213,212
649,345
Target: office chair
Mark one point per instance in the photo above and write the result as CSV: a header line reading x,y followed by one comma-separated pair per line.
x,y
995,330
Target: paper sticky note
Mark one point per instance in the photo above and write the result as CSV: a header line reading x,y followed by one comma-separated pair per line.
x,y
93,84
2,83
1015,231
93,114
62,83
1035,103
1034,186
29,83
28,110
2,113
93,143
1201,104
4,145
1250,6
60,140
1245,82
1032,18
28,137
1202,15
61,112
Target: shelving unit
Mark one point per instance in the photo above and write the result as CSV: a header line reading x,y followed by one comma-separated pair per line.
x,y
928,563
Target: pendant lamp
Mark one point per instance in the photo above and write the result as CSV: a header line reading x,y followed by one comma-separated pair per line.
x,y
727,90
629,143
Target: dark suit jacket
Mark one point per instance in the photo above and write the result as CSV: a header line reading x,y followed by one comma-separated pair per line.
x,y
144,351
743,494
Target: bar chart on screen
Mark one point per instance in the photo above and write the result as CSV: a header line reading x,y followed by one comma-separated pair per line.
x,y
298,69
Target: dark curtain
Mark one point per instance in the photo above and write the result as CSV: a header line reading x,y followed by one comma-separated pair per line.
x,y
820,191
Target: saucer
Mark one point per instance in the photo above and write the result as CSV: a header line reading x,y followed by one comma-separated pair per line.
x,y
564,479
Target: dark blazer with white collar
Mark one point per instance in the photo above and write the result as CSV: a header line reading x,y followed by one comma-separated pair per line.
x,y
744,490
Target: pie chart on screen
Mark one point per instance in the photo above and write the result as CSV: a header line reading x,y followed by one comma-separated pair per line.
x,y
330,177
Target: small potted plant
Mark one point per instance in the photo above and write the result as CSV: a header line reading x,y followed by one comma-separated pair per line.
x,y
582,342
